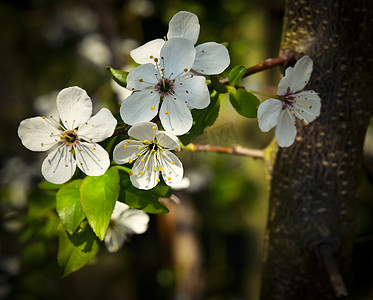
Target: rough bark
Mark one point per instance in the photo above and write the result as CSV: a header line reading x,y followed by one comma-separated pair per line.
x,y
315,181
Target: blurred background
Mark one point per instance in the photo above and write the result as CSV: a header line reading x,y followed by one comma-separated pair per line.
x,y
209,246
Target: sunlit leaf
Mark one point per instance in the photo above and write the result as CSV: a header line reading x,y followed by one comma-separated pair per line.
x,y
245,103
75,251
98,195
236,74
68,205
118,76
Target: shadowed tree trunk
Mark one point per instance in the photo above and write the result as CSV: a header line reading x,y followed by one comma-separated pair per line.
x,y
310,228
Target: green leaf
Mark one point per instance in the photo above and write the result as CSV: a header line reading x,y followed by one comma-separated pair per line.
x,y
74,251
139,199
162,190
202,118
236,74
119,76
220,88
98,195
245,103
68,205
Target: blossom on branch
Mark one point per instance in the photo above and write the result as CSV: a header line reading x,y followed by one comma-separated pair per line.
x,y
211,58
124,222
70,137
291,103
168,84
151,150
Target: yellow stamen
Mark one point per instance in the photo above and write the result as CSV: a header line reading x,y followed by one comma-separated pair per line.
x,y
161,169
146,167
172,163
141,80
185,70
154,127
42,144
168,178
141,172
176,149
152,107
129,141
130,173
155,169
125,146
142,160
140,148
167,112
138,154
130,161
158,180
145,141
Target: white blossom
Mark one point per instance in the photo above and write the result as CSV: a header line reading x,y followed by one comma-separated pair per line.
x,y
211,58
70,137
291,103
124,222
167,88
152,151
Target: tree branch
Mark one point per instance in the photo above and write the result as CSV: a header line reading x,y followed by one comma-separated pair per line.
x,y
267,64
238,150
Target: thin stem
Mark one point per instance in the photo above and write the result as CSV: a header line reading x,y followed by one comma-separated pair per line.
x,y
261,94
325,251
238,150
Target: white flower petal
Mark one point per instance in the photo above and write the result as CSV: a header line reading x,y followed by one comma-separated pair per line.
x,y
144,175
193,91
119,209
211,58
175,116
284,84
172,168
268,113
92,159
134,220
285,130
140,107
142,77
146,53
59,166
127,150
114,239
301,74
168,140
38,134
143,131
307,105
177,57
74,106
184,24
99,127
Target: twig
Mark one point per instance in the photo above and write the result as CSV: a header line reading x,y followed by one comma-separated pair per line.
x,y
264,65
335,277
238,150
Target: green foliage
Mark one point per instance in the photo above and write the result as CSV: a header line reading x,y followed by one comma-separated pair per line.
x,y
118,76
68,205
202,118
98,195
76,250
236,74
245,103
140,199
220,88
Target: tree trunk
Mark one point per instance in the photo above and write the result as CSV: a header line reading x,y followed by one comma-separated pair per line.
x,y
315,181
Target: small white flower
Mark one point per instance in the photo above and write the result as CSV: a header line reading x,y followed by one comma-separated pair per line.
x,y
70,138
291,103
168,84
151,150
211,58
124,222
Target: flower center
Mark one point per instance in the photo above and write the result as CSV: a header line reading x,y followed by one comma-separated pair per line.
x,y
287,100
165,87
70,137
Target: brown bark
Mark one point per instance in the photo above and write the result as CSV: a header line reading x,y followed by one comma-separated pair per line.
x,y
315,181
